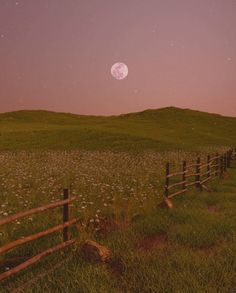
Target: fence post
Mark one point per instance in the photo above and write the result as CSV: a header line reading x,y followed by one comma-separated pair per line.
x,y
167,179
198,175
208,166
221,166
225,162
217,163
229,158
65,214
184,174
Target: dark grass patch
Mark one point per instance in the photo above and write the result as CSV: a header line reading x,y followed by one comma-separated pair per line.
x,y
208,251
116,267
153,241
213,209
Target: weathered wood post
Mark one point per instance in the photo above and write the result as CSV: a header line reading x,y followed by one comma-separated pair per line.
x,y
167,181
65,214
217,163
221,166
184,175
208,166
198,174
225,162
229,158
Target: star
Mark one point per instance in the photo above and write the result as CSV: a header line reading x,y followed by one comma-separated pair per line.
x,y
17,3
2,36
229,59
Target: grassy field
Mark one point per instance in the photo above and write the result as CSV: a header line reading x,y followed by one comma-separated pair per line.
x,y
116,165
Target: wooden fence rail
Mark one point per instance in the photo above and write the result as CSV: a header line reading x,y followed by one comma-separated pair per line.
x,y
62,227
204,171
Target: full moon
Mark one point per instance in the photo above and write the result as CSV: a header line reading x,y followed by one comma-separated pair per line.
x,y
119,70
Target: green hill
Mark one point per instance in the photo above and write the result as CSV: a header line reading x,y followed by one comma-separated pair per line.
x,y
167,128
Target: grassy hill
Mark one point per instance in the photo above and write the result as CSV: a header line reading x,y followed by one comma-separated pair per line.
x,y
167,128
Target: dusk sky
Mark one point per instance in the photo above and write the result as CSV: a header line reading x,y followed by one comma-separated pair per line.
x,y
57,55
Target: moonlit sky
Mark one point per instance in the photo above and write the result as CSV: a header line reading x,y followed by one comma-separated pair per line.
x,y
57,55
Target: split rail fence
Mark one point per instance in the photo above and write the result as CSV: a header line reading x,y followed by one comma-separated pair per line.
x,y
66,223
197,174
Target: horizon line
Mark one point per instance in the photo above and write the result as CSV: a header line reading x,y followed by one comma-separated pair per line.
x,y
112,115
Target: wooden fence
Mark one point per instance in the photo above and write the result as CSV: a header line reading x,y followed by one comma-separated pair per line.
x,y
66,223
197,174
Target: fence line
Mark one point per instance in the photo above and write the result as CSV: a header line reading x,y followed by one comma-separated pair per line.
x,y
67,222
204,171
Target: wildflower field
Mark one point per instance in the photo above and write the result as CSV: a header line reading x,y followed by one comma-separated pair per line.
x,y
105,181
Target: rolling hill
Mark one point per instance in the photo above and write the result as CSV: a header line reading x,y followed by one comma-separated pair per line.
x,y
161,129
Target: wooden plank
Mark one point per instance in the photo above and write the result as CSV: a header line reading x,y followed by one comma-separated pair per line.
x,y
36,258
178,192
177,173
215,165
191,183
204,174
32,237
206,188
53,205
214,158
205,180
203,165
176,184
36,278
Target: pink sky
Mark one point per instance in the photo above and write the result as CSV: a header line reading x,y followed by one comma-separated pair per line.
x,y
57,55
